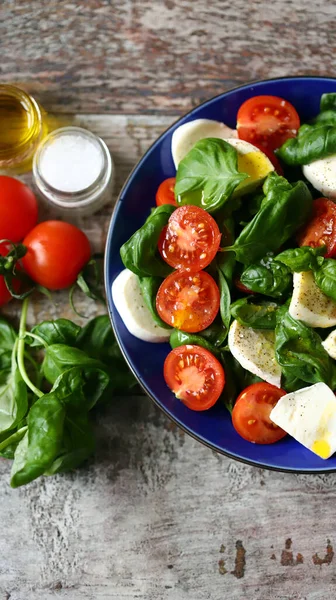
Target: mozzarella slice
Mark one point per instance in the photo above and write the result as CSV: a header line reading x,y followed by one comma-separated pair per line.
x,y
330,344
309,304
186,136
309,415
322,175
128,300
254,350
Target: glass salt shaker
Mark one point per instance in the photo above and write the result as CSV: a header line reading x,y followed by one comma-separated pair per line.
x,y
73,171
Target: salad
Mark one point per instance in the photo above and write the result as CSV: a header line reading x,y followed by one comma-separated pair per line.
x,y
235,268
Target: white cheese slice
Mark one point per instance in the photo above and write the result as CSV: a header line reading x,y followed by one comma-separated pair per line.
x,y
322,175
186,136
330,344
128,300
309,416
254,350
309,304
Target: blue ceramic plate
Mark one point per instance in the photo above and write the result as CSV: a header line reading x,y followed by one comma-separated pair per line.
x,y
212,427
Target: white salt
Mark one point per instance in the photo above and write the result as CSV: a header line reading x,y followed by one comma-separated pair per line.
x,y
71,162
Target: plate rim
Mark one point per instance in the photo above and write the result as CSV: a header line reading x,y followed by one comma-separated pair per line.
x,y
199,439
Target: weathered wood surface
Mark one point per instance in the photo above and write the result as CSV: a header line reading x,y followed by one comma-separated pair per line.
x,y
155,515
165,56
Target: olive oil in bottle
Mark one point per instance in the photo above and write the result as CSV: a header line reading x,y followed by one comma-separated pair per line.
x,y
21,128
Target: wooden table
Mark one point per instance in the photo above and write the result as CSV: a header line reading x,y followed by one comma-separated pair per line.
x,y
156,515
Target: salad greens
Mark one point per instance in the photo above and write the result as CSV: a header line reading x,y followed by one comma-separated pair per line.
x,y
284,209
268,277
45,408
259,314
210,168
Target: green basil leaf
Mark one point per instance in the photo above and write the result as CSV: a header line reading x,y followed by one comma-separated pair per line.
x,y
7,341
97,340
211,167
78,443
225,301
182,338
312,143
92,373
149,289
328,102
301,259
269,278
285,208
60,331
252,313
327,117
140,253
325,278
299,351
13,399
9,441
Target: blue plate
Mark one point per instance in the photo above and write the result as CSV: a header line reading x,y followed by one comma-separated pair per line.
x,y
212,427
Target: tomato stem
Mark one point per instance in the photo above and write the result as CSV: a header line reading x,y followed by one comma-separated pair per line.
x,y
21,350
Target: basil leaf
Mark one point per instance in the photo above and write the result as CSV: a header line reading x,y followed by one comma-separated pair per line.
x,y
92,374
13,399
211,167
181,338
7,341
60,331
312,143
328,102
285,208
251,313
149,289
299,351
225,301
269,278
78,443
140,253
301,259
327,117
325,278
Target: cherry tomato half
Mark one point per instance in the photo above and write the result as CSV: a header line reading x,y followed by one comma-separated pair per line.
x,y
188,301
195,376
56,253
165,193
321,229
251,413
18,209
191,239
268,121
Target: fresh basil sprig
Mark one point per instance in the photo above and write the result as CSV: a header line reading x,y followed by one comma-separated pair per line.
x,y
210,168
305,258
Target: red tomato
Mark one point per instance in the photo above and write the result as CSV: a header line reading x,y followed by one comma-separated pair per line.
x,y
191,239
18,209
57,252
321,229
165,193
195,376
268,121
188,301
251,413
272,157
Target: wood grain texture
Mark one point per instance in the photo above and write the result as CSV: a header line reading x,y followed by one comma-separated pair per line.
x,y
158,56
155,515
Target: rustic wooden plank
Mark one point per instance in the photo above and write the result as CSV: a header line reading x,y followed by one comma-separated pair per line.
x,y
158,55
